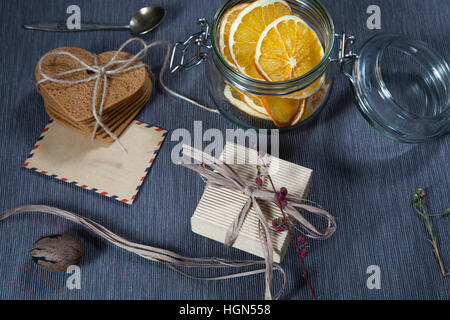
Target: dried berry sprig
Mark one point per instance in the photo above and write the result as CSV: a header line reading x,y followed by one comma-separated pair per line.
x,y
419,207
284,224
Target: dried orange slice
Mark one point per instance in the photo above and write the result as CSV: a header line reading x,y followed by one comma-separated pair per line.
x,y
234,97
312,103
247,28
282,110
254,102
224,31
287,49
316,99
299,117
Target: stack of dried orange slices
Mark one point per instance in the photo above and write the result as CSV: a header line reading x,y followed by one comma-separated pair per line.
x,y
264,40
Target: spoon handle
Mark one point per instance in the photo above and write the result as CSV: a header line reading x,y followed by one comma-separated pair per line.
x,y
62,27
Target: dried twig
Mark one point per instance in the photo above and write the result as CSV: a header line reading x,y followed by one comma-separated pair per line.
x,y
419,207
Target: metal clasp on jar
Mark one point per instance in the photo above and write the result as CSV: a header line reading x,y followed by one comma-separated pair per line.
x,y
200,40
345,57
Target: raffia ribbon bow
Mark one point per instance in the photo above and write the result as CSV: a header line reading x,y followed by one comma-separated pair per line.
x,y
219,174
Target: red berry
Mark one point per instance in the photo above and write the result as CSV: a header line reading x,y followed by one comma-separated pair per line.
x,y
258,181
303,253
283,191
302,239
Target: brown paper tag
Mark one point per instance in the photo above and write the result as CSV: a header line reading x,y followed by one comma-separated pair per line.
x,y
70,156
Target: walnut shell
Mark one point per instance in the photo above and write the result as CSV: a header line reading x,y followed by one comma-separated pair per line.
x,y
56,252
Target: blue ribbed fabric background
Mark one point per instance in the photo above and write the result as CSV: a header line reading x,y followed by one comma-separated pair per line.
x,y
363,178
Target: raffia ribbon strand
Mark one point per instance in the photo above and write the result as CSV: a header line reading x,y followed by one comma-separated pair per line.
x,y
218,174
166,257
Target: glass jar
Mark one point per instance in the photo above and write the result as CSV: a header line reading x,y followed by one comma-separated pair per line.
x,y
223,78
400,86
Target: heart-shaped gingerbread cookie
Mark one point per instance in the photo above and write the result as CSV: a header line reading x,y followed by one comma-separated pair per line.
x,y
71,104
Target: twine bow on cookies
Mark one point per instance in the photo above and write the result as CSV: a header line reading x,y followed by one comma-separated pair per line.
x,y
218,174
113,67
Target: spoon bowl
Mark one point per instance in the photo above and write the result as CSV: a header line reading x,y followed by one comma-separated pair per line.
x,y
146,19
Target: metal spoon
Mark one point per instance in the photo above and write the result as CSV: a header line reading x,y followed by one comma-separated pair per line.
x,y
142,22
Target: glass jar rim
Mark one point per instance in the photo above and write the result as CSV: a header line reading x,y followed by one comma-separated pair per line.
x,y
306,77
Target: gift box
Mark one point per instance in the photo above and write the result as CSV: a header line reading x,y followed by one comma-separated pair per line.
x,y
219,206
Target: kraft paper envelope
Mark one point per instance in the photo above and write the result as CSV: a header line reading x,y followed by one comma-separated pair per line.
x,y
72,157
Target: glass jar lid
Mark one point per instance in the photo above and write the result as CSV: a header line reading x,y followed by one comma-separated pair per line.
x,y
402,88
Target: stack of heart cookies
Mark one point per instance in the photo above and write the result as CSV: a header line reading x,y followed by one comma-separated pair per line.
x,y
70,104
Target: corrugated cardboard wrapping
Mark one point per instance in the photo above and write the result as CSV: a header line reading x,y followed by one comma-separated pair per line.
x,y
218,207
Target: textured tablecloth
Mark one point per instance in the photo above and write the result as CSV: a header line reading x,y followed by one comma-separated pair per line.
x,y
363,178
